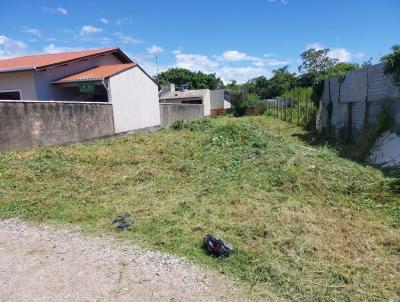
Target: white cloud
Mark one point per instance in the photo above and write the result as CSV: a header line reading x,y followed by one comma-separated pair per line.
x,y
231,65
57,10
234,55
342,54
316,46
104,20
227,65
32,31
274,62
89,29
237,56
194,62
61,10
154,49
125,39
11,48
241,74
52,49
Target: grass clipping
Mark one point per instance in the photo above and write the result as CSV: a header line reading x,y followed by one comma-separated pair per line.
x,y
306,223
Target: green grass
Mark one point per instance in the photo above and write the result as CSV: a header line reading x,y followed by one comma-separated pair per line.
x,y
308,225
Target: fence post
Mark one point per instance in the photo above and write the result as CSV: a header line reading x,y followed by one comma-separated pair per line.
x,y
298,110
291,110
285,110
307,100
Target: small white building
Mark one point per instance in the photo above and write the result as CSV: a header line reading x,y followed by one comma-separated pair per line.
x,y
215,102
101,75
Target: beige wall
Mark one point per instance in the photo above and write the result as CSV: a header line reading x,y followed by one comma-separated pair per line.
x,y
23,81
135,100
26,124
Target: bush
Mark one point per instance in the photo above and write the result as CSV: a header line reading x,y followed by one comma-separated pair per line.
x,y
243,134
298,96
241,100
178,125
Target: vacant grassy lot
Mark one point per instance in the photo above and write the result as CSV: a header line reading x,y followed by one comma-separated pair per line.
x,y
307,224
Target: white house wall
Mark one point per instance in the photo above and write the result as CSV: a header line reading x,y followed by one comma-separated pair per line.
x,y
23,81
217,99
207,103
135,100
47,91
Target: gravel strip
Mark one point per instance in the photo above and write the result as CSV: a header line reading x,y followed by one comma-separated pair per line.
x,y
45,263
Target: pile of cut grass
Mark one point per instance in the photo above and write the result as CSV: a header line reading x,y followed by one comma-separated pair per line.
x,y
307,224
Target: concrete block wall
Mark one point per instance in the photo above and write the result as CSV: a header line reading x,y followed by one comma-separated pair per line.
x,y
25,124
169,113
368,90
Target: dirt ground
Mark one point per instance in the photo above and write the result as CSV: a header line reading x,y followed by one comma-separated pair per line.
x,y
45,263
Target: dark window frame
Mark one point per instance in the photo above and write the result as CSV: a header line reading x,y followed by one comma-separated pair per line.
x,y
12,98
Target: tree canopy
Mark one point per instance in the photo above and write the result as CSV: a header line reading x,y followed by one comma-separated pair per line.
x,y
392,64
196,80
316,64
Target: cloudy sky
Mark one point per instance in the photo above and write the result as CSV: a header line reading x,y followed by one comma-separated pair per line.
x,y
235,39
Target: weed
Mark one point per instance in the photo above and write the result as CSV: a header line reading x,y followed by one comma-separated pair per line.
x,y
308,225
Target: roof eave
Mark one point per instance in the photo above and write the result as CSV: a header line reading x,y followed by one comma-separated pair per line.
x,y
78,81
111,51
4,70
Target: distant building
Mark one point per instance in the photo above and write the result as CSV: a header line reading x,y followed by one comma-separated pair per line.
x,y
215,102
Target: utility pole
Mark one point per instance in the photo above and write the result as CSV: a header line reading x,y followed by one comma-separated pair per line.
x,y
156,57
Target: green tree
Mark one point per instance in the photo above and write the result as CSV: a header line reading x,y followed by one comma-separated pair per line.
x,y
367,63
341,69
196,80
392,64
281,81
316,63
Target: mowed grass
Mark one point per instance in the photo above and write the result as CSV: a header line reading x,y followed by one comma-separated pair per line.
x,y
307,224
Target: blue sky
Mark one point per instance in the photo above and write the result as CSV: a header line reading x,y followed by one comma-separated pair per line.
x,y
236,39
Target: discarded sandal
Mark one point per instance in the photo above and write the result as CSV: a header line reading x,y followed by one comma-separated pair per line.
x,y
121,218
216,246
124,225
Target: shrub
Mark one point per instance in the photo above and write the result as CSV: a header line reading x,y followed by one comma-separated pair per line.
x,y
241,100
392,64
178,125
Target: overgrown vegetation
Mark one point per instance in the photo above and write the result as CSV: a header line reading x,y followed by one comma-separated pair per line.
x,y
368,136
304,109
392,64
308,225
195,80
316,66
241,101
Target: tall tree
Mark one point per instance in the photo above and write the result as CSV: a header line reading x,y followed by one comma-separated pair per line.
x,y
316,63
280,82
196,80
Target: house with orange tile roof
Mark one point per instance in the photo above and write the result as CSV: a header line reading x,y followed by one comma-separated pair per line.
x,y
101,75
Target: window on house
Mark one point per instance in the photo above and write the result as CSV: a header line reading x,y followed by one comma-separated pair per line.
x,y
10,95
192,102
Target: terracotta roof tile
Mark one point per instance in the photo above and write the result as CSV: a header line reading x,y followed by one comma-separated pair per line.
x,y
97,74
42,61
